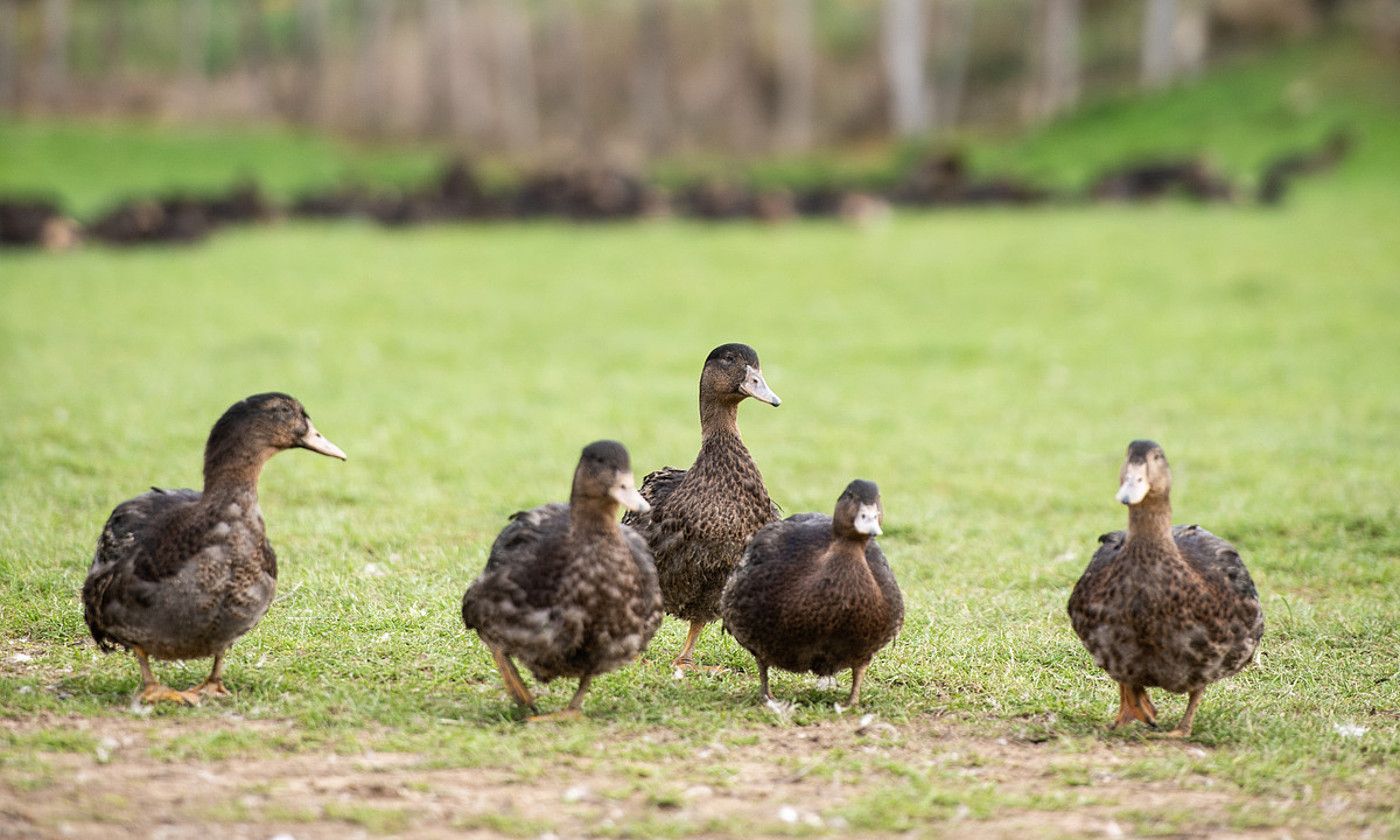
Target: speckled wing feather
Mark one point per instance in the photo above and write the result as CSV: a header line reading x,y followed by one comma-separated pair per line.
x,y
656,487
1213,556
124,547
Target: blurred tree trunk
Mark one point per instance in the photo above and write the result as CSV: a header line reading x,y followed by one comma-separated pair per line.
x,y
569,48
372,77
113,37
1055,76
903,44
516,101
651,76
313,23
194,46
1158,31
53,66
442,75
745,113
797,67
954,27
9,55
472,40
1192,37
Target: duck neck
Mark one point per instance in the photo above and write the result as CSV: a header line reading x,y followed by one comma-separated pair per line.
x,y
593,519
1150,522
234,474
718,418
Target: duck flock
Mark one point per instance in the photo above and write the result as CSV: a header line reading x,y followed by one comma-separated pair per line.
x,y
569,591
591,193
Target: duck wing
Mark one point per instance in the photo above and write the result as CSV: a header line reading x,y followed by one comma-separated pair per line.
x,y
1084,607
656,488
128,557
648,605
1214,558
518,590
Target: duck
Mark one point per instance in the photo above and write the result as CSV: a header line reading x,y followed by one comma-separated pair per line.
x,y
567,590
1163,606
701,518
814,593
182,574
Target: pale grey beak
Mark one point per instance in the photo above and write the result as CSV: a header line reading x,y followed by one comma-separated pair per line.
x,y
868,521
755,386
625,493
1134,486
316,442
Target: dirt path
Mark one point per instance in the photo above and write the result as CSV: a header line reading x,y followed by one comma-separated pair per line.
x,y
852,776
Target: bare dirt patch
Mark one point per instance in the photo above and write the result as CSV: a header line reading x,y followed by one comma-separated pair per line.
x,y
854,776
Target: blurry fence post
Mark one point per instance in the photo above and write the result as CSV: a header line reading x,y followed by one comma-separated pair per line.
x,y
954,53
441,23
1158,28
650,77
567,45
194,45
53,67
1191,37
114,38
796,74
372,76
1055,71
903,44
745,114
9,54
312,46
516,103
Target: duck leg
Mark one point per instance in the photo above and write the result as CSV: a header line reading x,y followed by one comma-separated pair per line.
x,y
213,685
151,689
1183,729
574,711
515,686
857,677
1129,708
763,693
686,660
1145,704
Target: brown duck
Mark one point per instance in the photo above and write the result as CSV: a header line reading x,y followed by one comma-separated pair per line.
x,y
181,574
814,592
701,518
567,590
1160,606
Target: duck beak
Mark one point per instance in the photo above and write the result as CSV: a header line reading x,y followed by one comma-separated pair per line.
x,y
868,521
625,493
755,386
1133,489
316,442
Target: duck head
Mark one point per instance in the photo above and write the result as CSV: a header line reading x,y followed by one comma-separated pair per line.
x,y
732,374
604,476
1145,476
859,512
258,427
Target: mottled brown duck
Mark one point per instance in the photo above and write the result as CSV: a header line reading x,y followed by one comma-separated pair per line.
x,y
567,590
1162,606
181,574
814,593
701,518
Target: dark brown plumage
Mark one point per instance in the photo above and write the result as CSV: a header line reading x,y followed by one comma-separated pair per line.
x,y
181,574
814,593
701,518
1160,606
567,590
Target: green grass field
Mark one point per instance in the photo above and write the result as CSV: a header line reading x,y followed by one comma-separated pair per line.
x,y
986,369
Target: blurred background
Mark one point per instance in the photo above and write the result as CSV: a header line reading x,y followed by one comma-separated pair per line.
x,y
634,80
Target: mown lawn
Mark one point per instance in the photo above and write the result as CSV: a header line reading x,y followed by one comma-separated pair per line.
x,y
986,368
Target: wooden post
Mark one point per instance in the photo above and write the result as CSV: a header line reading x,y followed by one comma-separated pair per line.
x,y
797,68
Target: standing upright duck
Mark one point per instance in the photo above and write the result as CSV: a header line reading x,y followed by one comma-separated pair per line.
x,y
567,590
814,592
701,518
1163,606
181,574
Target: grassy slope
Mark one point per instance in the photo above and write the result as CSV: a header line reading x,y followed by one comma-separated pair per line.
x,y
985,368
